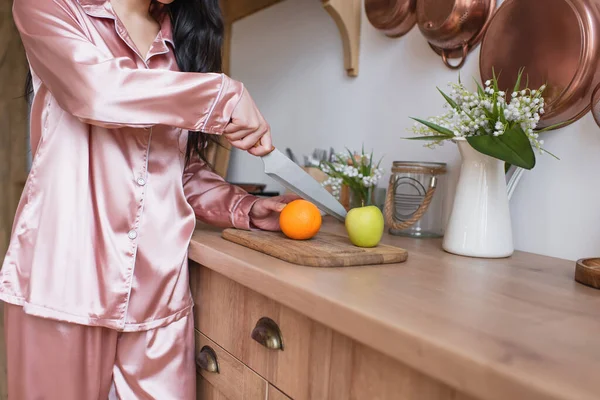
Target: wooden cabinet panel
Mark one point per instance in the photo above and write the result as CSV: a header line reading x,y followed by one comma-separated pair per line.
x,y
206,391
234,380
358,372
219,309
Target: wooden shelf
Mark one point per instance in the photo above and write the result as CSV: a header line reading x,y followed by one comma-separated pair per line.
x,y
345,13
347,16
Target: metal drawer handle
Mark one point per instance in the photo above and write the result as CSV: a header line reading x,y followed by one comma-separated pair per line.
x,y
207,360
267,333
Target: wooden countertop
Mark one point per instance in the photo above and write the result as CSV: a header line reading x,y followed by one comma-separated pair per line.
x,y
518,328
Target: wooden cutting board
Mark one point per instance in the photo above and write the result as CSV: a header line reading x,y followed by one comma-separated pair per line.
x,y
324,250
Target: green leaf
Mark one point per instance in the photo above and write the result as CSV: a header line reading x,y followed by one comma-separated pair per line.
x,y
437,128
495,79
546,151
506,167
512,147
518,83
448,99
495,106
555,126
433,137
351,156
480,91
501,115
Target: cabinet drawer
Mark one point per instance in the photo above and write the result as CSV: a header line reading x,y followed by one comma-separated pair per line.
x,y
229,314
221,376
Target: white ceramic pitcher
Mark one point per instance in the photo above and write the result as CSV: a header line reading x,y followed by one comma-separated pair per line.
x,y
480,224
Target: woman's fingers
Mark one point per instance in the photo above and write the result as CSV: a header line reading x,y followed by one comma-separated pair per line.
x,y
234,132
249,141
263,147
289,197
280,202
248,129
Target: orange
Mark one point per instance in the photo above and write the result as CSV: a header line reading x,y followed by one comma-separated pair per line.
x,y
300,220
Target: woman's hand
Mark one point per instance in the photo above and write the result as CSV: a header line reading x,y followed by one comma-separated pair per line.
x,y
248,130
265,212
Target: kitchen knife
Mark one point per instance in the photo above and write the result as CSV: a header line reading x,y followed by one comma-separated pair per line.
x,y
294,178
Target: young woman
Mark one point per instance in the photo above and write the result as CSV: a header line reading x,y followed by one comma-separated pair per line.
x,y
95,281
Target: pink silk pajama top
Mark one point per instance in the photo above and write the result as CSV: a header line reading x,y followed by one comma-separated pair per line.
x,y
103,227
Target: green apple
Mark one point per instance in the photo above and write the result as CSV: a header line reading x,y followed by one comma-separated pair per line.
x,y
365,226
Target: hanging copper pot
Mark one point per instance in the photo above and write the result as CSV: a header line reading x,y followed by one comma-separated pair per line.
x,y
596,105
394,18
454,27
556,41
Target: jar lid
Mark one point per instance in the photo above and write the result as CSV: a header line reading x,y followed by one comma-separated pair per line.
x,y
419,167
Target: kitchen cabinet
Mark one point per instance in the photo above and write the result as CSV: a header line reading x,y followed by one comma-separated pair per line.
x,y
312,361
436,327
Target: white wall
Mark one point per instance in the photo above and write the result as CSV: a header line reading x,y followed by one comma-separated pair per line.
x,y
290,58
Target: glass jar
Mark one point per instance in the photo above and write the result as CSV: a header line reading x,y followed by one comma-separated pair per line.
x,y
415,199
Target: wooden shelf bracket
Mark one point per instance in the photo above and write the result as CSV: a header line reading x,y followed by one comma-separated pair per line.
x,y
347,16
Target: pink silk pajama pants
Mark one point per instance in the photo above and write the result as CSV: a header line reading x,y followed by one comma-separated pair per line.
x,y
52,360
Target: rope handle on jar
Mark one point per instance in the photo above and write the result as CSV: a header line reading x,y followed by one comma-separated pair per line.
x,y
389,206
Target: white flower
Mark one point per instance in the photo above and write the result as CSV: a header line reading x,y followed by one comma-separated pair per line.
x,y
488,82
514,94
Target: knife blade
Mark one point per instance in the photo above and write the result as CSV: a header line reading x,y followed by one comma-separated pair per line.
x,y
294,178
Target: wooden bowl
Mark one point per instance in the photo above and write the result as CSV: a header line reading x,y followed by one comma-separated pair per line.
x,y
587,272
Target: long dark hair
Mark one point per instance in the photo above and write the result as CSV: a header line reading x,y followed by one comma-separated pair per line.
x,y
198,36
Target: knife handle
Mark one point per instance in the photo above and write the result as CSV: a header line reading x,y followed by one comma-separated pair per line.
x,y
258,144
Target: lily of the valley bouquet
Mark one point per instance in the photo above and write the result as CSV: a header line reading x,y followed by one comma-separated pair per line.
x,y
492,125
356,171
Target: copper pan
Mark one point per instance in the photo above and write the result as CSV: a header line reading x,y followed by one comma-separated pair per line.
x,y
556,41
394,18
596,105
454,27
